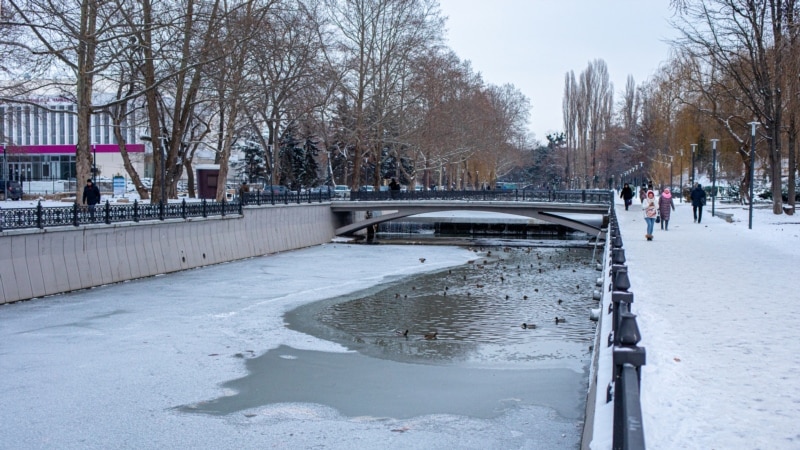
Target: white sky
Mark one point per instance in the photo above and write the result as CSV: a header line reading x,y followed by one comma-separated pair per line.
x,y
534,43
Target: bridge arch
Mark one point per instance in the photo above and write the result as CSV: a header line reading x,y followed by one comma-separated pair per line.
x,y
568,215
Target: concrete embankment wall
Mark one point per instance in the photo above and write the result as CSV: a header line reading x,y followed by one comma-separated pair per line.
x,y
35,263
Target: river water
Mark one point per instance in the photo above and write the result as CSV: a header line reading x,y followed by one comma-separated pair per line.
x,y
482,364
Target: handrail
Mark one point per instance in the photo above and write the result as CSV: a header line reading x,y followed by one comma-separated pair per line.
x,y
517,195
106,213
76,215
628,357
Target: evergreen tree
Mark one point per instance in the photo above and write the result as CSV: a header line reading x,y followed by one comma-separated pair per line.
x,y
253,165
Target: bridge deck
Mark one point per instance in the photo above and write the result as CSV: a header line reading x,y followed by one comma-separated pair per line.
x,y
545,211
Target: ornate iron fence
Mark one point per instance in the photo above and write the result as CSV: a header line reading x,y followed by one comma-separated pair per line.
x,y
75,214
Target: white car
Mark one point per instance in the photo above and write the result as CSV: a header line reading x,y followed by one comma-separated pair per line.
x,y
341,191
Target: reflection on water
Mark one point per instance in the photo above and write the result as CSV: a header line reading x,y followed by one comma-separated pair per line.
x,y
476,311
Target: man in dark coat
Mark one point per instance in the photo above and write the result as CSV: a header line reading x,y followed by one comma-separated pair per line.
x,y
627,195
91,196
698,196
394,187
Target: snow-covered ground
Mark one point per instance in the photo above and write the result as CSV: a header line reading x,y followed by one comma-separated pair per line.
x,y
717,306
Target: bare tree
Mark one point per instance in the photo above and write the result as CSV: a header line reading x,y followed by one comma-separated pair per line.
x,y
746,40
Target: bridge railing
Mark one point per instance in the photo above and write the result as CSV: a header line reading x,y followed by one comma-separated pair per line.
x,y
628,358
270,197
517,195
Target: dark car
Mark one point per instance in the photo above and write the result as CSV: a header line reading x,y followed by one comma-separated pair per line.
x,y
14,191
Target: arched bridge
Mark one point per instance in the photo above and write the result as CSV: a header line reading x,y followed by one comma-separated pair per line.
x,y
576,210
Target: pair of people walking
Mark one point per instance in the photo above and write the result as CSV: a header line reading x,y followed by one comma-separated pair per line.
x,y
657,210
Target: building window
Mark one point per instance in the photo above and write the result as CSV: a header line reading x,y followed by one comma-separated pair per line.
x,y
43,117
71,140
62,131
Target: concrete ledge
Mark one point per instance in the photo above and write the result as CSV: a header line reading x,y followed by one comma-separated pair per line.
x,y
727,217
35,263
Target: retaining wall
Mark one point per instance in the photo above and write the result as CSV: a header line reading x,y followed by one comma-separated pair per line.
x,y
35,263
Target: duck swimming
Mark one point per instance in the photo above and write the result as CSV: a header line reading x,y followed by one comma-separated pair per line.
x,y
528,326
560,320
430,336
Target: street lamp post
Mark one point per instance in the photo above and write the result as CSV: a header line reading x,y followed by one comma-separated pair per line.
x,y
94,164
670,173
680,187
753,126
713,174
162,149
694,147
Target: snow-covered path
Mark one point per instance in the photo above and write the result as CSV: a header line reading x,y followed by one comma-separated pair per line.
x,y
717,305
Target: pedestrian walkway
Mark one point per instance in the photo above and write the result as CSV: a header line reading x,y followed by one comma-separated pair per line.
x,y
718,311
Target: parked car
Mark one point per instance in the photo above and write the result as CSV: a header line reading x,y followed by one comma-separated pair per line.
x,y
14,191
341,191
320,190
367,188
276,189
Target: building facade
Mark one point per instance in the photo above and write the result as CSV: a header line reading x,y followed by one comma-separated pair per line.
x,y
38,142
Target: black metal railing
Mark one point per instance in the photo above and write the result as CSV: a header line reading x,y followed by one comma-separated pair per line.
x,y
628,357
517,195
76,215
272,198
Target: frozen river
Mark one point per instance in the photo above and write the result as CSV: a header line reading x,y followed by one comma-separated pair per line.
x,y
299,350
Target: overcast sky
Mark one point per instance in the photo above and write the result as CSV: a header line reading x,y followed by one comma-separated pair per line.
x,y
534,43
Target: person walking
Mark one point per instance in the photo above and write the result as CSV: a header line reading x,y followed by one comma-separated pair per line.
x,y
698,196
665,207
650,209
394,187
627,195
91,197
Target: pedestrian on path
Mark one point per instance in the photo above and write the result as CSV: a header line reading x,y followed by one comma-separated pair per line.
x,y
650,209
91,197
698,196
627,195
665,207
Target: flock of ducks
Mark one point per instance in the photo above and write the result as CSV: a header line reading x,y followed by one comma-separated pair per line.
x,y
524,326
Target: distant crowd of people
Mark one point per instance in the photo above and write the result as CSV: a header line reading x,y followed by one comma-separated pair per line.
x,y
658,209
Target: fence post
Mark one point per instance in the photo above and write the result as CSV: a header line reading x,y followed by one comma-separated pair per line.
x,y
205,212
107,213
223,206
183,209
161,209
75,213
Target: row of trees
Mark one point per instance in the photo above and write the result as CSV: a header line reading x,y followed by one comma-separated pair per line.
x,y
349,91
735,62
